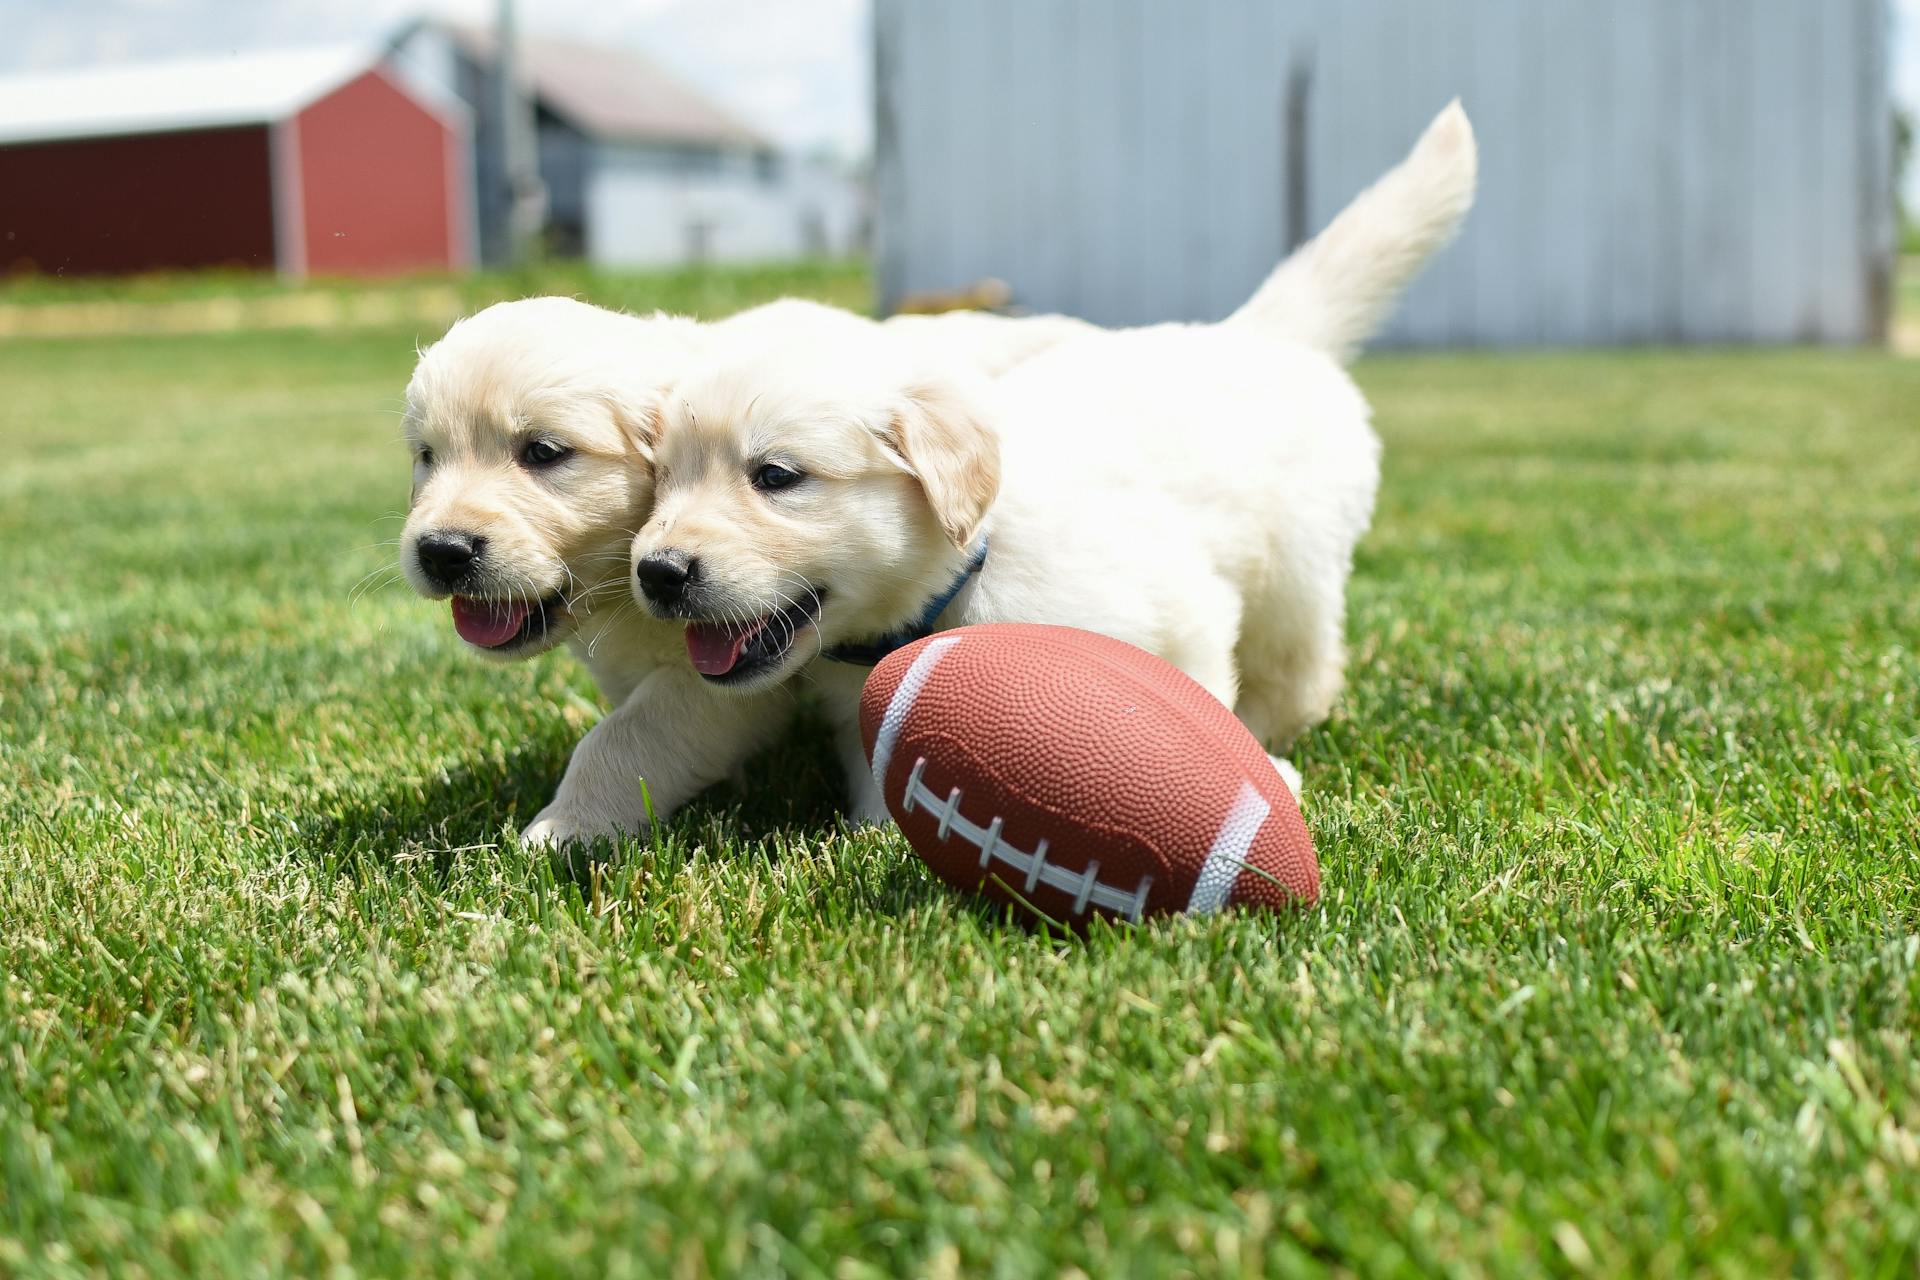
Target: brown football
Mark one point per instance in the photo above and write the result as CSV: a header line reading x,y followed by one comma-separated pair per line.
x,y
1075,775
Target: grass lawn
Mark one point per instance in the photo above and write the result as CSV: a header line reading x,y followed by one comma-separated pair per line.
x,y
1617,971
220,302
1906,304
693,290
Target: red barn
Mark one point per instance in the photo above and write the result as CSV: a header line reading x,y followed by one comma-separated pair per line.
x,y
315,162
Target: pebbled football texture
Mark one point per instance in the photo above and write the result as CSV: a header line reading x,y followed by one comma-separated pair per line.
x,y
1079,775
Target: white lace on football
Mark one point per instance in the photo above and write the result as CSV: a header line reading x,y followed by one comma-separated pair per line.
x,y
1085,886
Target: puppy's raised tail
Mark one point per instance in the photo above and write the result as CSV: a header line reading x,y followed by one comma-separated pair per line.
x,y
1336,290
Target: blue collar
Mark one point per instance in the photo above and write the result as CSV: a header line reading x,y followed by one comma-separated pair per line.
x,y
870,653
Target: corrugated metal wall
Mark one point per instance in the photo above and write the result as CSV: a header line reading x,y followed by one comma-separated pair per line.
x,y
1652,171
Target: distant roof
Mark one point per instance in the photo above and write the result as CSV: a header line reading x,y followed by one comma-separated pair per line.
x,y
616,94
157,97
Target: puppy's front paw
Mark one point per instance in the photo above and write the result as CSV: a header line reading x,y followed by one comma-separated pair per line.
x,y
1288,774
546,833
554,828
864,817
866,806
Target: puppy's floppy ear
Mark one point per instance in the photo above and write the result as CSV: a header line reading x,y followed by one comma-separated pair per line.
x,y
948,447
639,420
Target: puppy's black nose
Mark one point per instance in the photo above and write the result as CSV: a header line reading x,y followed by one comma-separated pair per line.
x,y
446,554
664,575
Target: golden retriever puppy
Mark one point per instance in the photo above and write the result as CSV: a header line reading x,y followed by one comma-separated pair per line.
x,y
1196,490
531,473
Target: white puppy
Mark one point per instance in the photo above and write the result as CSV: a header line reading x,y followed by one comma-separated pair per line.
x,y
532,473
1194,490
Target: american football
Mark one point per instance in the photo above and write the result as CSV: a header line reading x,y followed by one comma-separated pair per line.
x,y
1072,774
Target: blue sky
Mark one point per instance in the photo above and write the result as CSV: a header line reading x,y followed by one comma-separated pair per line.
x,y
796,68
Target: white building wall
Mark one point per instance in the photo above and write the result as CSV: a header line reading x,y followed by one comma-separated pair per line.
x,y
426,61
640,213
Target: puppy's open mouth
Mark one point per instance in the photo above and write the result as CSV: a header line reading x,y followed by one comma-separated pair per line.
x,y
734,652
503,625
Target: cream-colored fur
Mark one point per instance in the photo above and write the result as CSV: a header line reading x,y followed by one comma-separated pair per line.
x,y
1194,490
588,381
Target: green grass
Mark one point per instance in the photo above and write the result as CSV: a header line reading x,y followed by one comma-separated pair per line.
x,y
1616,969
688,290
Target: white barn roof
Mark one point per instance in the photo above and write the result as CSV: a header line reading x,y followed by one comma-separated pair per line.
x,y
159,97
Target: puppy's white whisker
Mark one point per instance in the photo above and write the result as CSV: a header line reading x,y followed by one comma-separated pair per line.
x,y
384,576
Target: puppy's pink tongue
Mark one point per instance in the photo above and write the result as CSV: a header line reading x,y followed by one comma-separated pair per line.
x,y
487,623
715,647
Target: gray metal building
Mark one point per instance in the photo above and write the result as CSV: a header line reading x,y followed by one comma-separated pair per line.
x,y
1651,170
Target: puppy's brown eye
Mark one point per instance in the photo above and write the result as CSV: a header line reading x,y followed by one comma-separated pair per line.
x,y
544,453
775,476
424,456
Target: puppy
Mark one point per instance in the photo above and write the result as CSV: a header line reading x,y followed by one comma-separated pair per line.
x,y
1194,490
528,425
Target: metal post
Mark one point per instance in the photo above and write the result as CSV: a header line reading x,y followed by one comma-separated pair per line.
x,y
523,196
